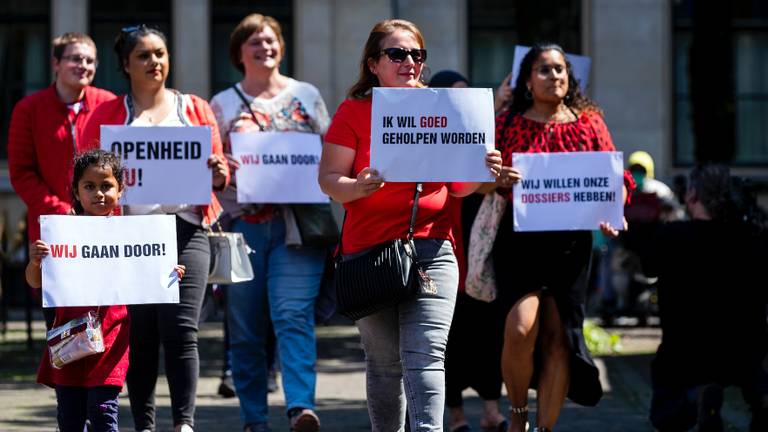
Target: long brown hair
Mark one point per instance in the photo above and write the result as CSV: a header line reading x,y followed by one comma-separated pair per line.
x,y
372,50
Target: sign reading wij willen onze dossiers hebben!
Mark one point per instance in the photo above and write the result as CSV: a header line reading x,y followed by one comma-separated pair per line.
x,y
432,135
568,191
163,165
99,261
277,167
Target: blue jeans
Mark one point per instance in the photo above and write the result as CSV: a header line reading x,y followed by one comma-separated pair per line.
x,y
97,404
405,349
286,285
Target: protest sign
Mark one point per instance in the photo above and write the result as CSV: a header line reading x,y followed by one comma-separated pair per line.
x,y
432,135
580,65
99,261
163,165
568,191
277,167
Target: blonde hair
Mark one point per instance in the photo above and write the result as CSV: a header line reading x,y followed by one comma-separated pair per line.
x,y
372,50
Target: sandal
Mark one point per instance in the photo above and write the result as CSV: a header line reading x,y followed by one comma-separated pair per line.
x,y
522,415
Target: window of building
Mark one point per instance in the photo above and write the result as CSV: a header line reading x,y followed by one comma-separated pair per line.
x,y
496,26
107,18
730,106
225,15
24,56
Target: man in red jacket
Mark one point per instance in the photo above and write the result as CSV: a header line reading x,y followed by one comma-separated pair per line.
x,y
46,126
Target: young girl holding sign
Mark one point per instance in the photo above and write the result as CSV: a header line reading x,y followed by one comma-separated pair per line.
x,y
88,388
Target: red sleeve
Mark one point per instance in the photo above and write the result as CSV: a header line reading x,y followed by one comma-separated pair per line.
x,y
342,130
604,142
207,118
24,168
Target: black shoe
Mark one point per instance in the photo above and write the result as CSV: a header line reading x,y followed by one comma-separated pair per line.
x,y
227,387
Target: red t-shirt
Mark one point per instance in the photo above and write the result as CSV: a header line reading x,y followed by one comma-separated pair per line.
x,y
385,214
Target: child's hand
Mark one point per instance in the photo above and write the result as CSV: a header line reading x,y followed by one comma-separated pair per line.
x,y
37,251
180,270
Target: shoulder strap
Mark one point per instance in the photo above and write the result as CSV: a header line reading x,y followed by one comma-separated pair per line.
x,y
247,105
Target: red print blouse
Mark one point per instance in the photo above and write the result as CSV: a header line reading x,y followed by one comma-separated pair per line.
x,y
518,134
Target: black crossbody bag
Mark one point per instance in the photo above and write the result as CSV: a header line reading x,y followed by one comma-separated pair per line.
x,y
382,276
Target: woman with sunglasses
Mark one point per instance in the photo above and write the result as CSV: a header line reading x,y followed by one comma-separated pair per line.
x,y
142,54
288,272
404,345
541,276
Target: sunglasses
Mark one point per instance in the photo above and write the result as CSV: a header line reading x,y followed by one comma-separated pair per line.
x,y
398,55
132,29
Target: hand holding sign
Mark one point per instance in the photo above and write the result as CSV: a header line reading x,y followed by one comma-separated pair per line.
x,y
367,182
219,167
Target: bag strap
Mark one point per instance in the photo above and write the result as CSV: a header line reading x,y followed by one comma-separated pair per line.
x,y
55,317
411,223
248,105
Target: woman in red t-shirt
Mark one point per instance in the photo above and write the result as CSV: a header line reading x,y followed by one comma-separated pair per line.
x,y
405,343
541,276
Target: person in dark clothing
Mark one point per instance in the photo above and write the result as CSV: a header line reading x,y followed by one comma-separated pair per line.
x,y
707,267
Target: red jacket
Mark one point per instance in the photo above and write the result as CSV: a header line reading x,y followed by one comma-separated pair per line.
x,y
41,150
197,112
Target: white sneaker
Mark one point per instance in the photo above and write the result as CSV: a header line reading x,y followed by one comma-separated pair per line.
x,y
185,428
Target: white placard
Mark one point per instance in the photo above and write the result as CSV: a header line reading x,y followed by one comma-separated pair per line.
x,y
580,64
277,167
432,135
568,191
163,165
109,260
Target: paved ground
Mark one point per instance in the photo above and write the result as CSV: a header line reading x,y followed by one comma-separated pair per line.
x,y
25,406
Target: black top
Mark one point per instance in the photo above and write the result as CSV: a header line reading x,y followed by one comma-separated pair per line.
x,y
712,302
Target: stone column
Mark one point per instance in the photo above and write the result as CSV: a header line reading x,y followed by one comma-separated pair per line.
x,y
191,51
69,16
630,42
444,26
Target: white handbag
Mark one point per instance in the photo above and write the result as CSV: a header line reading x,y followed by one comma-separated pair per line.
x,y
229,258
481,279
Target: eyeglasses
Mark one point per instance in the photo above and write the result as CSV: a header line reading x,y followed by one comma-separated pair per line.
x,y
398,55
79,59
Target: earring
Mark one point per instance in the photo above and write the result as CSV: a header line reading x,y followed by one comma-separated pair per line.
x,y
528,94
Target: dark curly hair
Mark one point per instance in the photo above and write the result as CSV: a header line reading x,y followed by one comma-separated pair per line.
x,y
574,98
98,158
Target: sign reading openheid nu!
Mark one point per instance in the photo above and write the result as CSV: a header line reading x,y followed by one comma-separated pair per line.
x,y
163,165
110,260
277,167
568,191
432,135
